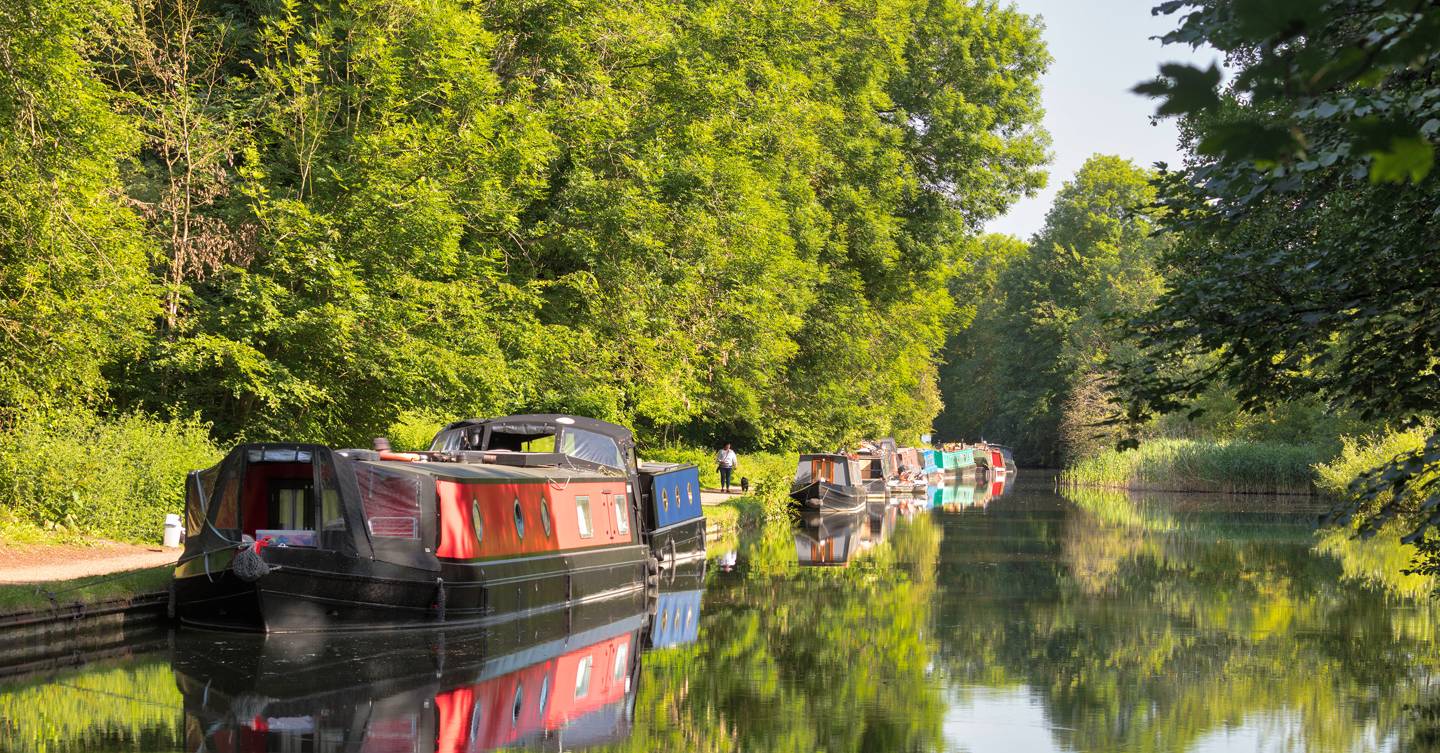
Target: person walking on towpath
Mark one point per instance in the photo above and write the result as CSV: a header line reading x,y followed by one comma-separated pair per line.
x,y
725,461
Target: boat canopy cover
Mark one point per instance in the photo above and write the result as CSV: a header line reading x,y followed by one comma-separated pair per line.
x,y
578,437
333,501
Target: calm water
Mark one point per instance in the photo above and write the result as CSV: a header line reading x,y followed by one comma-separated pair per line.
x,y
1018,622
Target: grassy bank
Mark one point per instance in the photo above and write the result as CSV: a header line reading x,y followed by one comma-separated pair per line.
x,y
26,597
1191,465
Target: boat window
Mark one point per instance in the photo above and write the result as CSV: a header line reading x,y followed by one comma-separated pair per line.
x,y
582,677
690,492
582,513
519,519
391,500
476,520
588,445
544,694
665,498
452,440
290,505
545,515
802,473
519,703
621,654
332,512
622,521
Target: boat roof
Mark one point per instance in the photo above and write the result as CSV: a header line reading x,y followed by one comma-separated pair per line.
x,y
497,474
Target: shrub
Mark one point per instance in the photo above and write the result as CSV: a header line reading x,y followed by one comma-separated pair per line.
x,y
1193,465
77,472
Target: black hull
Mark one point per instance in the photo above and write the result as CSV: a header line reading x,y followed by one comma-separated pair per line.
x,y
830,497
311,590
678,544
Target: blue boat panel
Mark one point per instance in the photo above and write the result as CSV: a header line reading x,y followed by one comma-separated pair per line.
x,y
676,495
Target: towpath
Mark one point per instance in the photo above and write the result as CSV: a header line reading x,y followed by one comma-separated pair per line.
x,y
41,563
715,496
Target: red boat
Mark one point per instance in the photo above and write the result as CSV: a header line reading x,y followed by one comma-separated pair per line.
x,y
501,517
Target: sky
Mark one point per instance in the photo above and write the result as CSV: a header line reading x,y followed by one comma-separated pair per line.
x,y
1101,49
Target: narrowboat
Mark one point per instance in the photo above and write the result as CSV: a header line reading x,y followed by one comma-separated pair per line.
x,y
958,461
989,458
568,675
1008,458
829,482
910,476
500,518
878,466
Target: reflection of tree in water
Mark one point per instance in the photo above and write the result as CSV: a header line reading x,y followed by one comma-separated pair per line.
x,y
1143,628
823,659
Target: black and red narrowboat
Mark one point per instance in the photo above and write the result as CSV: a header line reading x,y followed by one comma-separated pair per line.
x,y
500,518
563,679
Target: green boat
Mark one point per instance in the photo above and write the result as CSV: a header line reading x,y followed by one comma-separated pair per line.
x,y
958,461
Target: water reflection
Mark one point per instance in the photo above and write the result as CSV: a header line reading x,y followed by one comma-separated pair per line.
x,y
1108,622
959,494
1079,622
519,685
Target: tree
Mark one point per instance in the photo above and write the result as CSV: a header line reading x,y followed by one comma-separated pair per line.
x,y
1304,217
1041,340
74,294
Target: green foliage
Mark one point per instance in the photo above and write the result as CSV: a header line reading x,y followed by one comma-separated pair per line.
x,y
115,477
1029,371
1187,465
701,221
73,289
1304,227
412,431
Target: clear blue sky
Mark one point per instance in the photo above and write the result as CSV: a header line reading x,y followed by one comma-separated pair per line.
x,y
1101,48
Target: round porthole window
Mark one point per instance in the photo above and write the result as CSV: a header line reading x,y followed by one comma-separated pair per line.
x,y
476,521
519,704
519,519
545,515
665,497
544,694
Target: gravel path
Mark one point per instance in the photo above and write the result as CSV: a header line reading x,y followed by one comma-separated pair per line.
x,y
35,564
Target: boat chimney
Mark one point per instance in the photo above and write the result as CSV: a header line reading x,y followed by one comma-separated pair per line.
x,y
381,444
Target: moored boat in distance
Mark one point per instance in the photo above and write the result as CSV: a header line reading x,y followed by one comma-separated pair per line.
x,y
878,466
958,461
828,482
501,517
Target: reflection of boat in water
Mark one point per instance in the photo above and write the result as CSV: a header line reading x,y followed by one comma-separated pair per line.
x,y
961,496
561,676
831,538
828,482
500,517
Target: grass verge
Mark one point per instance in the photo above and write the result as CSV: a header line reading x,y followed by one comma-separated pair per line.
x,y
1191,465
94,589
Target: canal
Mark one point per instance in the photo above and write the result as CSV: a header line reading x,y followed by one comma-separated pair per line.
x,y
1023,621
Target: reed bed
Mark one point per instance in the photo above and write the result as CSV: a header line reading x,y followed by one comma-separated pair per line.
x,y
1190,465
